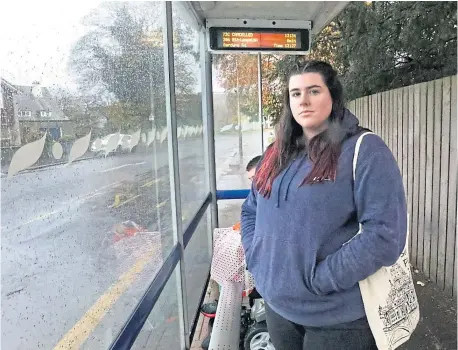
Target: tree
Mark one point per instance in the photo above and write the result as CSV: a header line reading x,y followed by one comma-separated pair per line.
x,y
241,70
386,45
379,46
122,58
238,74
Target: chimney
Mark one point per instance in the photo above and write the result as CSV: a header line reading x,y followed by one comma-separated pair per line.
x,y
36,89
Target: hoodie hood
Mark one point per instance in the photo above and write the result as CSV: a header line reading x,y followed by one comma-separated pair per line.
x,y
350,122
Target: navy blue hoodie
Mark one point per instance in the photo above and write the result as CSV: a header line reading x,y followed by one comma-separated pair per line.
x,y
295,242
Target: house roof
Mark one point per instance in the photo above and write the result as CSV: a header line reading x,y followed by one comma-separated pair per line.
x,y
5,84
36,99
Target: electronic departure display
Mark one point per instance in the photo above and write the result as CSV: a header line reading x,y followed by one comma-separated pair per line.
x,y
246,39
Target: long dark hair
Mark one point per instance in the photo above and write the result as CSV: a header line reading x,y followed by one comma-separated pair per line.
x,y
323,149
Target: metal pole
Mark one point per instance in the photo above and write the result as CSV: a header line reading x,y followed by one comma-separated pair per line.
x,y
208,135
260,101
209,126
238,112
156,176
174,170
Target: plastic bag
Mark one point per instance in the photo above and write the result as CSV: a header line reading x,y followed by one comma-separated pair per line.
x,y
228,262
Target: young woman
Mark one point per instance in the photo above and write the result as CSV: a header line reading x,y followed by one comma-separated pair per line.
x,y
304,209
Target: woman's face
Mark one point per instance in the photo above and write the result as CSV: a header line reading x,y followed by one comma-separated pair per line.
x,y
310,102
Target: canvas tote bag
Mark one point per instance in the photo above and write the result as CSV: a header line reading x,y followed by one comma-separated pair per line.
x,y
389,296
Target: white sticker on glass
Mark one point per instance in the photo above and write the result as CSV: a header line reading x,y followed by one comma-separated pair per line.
x,y
26,156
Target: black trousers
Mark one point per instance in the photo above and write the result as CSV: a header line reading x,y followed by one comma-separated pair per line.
x,y
286,335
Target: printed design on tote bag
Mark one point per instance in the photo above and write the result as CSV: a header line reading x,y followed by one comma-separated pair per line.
x,y
397,315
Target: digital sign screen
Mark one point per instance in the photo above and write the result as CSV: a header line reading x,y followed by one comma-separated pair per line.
x,y
259,39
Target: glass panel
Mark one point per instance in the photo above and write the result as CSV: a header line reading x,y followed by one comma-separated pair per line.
x,y
188,90
197,260
161,330
85,197
238,136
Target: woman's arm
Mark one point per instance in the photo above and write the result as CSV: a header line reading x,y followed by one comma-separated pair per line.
x,y
248,223
381,206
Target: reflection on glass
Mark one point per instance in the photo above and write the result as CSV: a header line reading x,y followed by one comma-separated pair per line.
x,y
162,328
189,116
197,258
86,214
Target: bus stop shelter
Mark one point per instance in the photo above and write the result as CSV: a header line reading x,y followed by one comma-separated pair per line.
x,y
203,15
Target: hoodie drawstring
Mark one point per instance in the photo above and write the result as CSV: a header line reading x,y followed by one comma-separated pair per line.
x,y
349,122
291,180
281,182
285,198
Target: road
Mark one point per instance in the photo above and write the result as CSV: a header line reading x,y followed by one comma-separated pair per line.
x,y
66,281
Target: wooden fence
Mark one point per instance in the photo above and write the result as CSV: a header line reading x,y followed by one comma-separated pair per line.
x,y
419,124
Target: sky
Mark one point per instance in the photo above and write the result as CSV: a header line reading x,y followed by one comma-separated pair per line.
x,y
36,38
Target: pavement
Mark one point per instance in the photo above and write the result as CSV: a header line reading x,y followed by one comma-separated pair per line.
x,y
437,329
81,243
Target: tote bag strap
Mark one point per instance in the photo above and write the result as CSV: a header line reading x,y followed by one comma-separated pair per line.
x,y
355,161
355,156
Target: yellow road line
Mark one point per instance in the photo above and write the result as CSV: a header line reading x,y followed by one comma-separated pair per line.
x,y
160,205
117,205
150,183
116,202
76,336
